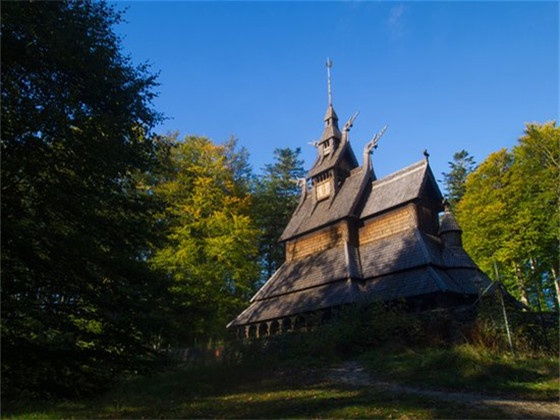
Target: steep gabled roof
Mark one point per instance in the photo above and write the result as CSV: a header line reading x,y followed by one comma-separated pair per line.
x,y
300,302
312,214
399,252
400,188
315,282
330,161
416,282
406,264
412,262
334,147
311,271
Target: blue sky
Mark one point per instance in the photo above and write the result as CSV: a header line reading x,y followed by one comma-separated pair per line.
x,y
444,76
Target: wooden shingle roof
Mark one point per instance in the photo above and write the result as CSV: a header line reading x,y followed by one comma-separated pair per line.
x,y
415,263
405,261
448,223
312,283
406,264
400,188
324,163
418,282
339,145
312,271
300,302
312,214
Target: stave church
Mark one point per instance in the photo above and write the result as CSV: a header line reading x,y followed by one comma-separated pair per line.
x,y
357,239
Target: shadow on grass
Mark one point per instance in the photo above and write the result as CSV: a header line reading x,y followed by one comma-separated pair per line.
x,y
235,392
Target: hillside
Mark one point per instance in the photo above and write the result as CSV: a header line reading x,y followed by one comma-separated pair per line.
x,y
385,383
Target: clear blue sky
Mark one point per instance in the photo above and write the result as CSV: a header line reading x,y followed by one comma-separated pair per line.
x,y
444,76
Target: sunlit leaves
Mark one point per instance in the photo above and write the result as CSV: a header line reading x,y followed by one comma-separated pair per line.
x,y
210,253
510,215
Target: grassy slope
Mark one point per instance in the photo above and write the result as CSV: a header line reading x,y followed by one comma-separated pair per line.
x,y
260,392
214,393
467,368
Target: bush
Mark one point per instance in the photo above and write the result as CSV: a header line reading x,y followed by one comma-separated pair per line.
x,y
526,333
355,330
352,331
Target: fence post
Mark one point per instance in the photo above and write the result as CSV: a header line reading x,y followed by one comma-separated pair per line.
x,y
500,290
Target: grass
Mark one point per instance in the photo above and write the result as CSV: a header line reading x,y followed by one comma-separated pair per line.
x,y
280,378
238,392
296,391
469,369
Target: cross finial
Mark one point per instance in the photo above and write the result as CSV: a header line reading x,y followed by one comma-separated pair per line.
x,y
329,65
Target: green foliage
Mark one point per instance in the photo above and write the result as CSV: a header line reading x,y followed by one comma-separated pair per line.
x,y
468,368
505,330
276,197
286,376
78,300
209,253
244,392
354,330
454,180
510,215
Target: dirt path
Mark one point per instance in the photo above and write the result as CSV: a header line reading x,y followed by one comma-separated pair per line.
x,y
353,374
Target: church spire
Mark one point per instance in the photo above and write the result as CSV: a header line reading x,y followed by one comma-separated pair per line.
x,y
329,91
331,119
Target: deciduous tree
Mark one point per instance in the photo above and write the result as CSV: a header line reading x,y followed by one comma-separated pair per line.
x,y
77,294
510,215
210,254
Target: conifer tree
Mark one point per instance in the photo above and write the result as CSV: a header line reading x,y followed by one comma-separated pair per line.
x,y
276,198
454,180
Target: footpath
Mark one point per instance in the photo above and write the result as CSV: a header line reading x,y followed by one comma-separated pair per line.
x,y
353,374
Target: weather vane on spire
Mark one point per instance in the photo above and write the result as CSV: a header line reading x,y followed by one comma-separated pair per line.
x,y
329,65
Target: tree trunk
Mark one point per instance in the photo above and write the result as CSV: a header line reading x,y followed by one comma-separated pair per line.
x,y
522,291
556,281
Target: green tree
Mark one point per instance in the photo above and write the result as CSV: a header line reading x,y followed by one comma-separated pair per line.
x,y
276,197
210,254
510,216
485,216
535,189
454,180
77,294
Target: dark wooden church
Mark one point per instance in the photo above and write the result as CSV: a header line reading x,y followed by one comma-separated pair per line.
x,y
357,239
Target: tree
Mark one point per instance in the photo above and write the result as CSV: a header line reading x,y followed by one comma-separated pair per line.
x,y
454,180
276,198
77,294
510,216
210,253
485,216
536,191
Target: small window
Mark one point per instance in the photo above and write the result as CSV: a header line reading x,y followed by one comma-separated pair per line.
x,y
327,147
323,189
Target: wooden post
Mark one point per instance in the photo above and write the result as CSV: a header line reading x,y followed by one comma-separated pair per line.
x,y
504,312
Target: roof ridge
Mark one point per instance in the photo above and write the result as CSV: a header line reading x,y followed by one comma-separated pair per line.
x,y
421,164
423,247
